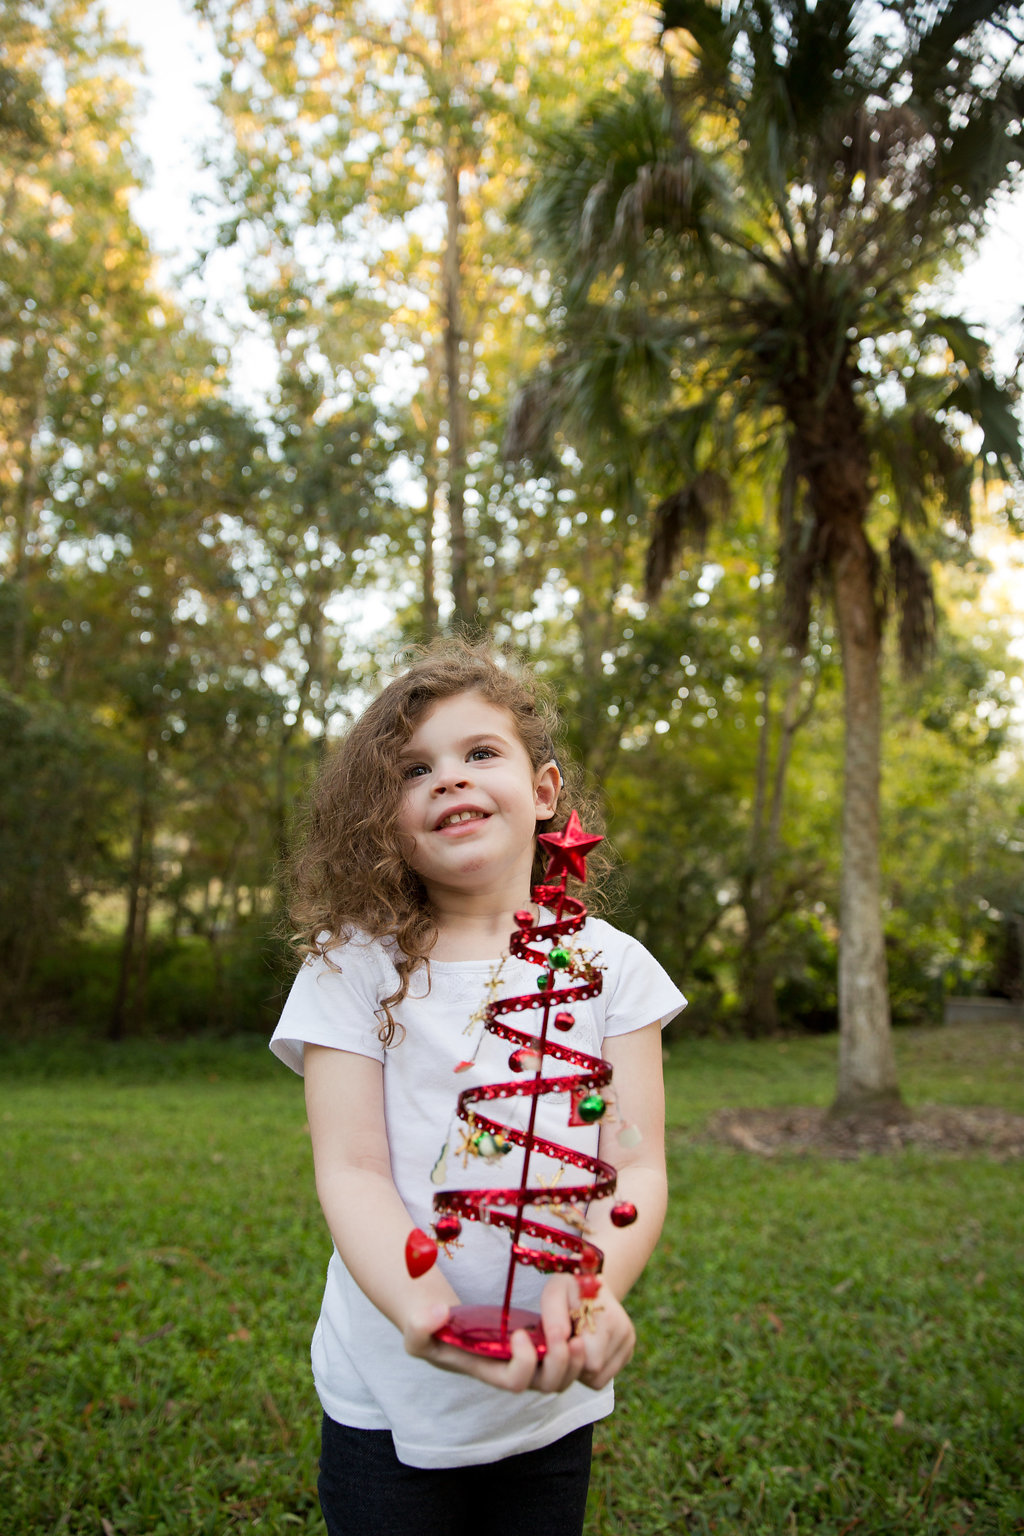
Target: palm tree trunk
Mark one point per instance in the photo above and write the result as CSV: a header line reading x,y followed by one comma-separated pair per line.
x,y
867,1069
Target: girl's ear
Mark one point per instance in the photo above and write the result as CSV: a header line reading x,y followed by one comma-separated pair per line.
x,y
547,788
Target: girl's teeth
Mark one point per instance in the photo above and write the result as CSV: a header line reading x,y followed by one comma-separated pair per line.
x,y
453,821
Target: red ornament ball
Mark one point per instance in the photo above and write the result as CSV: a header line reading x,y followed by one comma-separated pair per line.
x,y
524,1060
448,1226
623,1214
523,919
420,1253
564,1021
589,1286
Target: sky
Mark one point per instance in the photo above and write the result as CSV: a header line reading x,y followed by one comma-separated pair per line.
x,y
175,116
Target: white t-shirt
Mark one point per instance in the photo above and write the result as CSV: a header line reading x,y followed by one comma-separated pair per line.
x,y
363,1376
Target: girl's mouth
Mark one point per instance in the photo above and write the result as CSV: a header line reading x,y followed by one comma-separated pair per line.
x,y
457,818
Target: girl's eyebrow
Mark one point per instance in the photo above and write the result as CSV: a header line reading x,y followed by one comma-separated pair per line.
x,y
466,744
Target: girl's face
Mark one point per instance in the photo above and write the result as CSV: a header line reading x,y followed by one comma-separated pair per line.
x,y
472,799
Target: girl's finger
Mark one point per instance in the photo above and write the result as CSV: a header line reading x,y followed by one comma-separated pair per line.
x,y
512,1375
606,1361
561,1366
562,1363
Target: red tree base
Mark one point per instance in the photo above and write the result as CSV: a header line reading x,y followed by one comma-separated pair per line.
x,y
482,1331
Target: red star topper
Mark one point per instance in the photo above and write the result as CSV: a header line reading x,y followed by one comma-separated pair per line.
x,y
569,848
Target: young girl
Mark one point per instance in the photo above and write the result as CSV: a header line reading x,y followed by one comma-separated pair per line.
x,y
421,845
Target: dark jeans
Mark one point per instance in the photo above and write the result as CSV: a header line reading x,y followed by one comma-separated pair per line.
x,y
366,1491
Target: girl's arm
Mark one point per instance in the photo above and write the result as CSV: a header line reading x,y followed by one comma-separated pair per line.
x,y
639,1096
370,1224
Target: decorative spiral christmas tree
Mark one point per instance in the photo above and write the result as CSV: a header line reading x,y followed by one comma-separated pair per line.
x,y
565,978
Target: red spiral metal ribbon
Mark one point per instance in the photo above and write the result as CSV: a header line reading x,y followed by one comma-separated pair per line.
x,y
537,1243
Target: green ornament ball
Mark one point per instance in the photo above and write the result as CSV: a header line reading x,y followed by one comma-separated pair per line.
x,y
591,1108
560,958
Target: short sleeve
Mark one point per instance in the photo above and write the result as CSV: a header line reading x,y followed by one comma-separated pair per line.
x,y
638,991
336,1002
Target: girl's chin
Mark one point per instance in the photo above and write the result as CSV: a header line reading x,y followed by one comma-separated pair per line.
x,y
500,893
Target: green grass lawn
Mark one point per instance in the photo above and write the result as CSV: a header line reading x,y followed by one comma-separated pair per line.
x,y
832,1347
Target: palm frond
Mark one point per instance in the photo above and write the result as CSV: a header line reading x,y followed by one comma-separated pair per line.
x,y
815,68
621,175
710,32
877,142
683,518
744,236
533,418
942,30
991,406
927,467
802,553
698,48
683,441
964,343
979,154
914,596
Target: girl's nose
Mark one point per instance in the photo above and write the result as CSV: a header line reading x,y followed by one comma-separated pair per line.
x,y
455,777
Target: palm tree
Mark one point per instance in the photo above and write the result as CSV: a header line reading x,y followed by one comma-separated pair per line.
x,y
742,248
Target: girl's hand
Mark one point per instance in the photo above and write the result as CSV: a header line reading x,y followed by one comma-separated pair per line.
x,y
562,1364
604,1331
609,1345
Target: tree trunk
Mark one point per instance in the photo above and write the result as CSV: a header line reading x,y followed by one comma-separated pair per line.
x,y
452,309
428,595
451,21
131,964
25,514
758,974
755,972
831,456
762,900
867,1069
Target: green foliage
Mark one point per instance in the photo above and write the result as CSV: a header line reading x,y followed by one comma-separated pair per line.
x,y
224,984
952,795
807,980
193,600
821,1342
56,790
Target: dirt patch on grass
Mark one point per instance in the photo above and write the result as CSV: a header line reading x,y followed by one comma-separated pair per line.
x,y
994,1133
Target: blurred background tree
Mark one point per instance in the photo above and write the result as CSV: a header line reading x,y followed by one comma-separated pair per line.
x,y
532,287
740,246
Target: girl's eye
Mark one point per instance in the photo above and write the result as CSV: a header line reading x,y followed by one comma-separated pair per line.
x,y
482,752
413,771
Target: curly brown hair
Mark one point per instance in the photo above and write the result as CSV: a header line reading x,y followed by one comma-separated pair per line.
x,y
349,872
